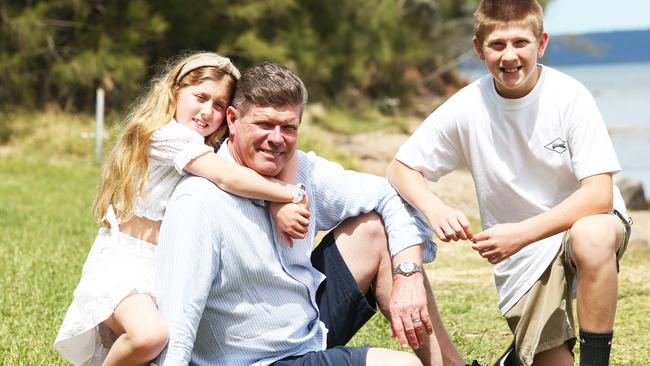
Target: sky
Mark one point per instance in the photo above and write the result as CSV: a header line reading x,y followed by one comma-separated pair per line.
x,y
587,16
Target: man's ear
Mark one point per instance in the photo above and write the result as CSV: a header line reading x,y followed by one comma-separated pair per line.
x,y
232,116
478,48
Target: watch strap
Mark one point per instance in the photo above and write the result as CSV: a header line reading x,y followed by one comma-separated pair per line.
x,y
300,193
398,270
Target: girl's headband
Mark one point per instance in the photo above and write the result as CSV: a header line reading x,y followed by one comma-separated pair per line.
x,y
209,60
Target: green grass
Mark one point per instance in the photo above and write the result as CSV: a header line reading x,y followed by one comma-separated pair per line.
x,y
46,232
362,120
47,182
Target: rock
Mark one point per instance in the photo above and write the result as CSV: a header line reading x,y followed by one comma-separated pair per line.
x,y
632,192
389,106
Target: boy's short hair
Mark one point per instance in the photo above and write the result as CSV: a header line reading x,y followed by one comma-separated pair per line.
x,y
492,14
269,84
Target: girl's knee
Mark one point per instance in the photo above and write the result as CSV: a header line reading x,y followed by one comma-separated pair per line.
x,y
149,341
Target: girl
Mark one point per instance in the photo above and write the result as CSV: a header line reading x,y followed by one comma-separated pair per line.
x,y
171,131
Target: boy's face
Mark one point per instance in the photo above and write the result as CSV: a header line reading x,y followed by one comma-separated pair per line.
x,y
510,54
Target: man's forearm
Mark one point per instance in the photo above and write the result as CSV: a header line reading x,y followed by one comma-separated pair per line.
x,y
404,225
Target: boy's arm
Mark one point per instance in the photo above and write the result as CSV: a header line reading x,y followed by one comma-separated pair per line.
x,y
501,241
446,222
240,180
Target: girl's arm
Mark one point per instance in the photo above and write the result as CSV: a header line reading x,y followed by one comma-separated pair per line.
x,y
241,180
292,219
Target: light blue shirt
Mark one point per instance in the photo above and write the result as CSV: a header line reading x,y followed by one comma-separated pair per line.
x,y
232,292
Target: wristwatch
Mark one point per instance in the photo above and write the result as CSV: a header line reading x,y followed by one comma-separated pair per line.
x,y
301,191
407,268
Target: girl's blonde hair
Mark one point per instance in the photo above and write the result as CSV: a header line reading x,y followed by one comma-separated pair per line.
x,y
125,173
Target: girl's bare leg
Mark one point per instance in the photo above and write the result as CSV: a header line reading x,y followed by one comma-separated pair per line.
x,y
142,332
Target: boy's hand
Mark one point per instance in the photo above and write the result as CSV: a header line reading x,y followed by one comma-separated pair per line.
x,y
450,224
499,242
292,220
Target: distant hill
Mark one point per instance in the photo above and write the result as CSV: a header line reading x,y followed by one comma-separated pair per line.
x,y
599,48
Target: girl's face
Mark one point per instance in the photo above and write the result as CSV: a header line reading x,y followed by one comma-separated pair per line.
x,y
202,107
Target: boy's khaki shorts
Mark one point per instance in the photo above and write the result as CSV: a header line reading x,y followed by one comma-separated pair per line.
x,y
543,318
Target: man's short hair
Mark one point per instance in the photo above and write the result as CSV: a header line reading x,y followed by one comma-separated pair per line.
x,y
269,84
492,14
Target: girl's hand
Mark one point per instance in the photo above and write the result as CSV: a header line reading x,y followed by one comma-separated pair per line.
x,y
292,220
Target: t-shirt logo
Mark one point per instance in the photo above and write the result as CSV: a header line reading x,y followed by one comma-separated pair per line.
x,y
558,145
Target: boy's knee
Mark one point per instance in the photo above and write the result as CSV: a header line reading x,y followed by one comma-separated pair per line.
x,y
594,239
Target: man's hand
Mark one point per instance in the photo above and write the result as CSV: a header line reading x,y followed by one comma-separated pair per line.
x,y
292,220
450,224
408,310
500,241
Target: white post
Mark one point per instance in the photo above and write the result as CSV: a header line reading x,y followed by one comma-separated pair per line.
x,y
99,123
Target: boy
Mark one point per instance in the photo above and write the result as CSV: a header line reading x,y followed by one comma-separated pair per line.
x,y
542,164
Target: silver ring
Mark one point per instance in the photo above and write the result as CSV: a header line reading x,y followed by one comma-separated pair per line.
x,y
417,321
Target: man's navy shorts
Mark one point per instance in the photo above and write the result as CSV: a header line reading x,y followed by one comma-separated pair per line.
x,y
343,308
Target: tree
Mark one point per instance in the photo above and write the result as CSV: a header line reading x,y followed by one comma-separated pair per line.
x,y
58,51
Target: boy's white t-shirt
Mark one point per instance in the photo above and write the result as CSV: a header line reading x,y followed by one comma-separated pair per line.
x,y
526,156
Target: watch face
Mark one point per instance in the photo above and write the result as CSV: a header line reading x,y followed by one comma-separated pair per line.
x,y
407,267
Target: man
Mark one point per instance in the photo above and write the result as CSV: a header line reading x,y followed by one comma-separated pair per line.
x,y
233,293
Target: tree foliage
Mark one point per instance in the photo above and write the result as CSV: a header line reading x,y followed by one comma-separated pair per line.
x,y
59,51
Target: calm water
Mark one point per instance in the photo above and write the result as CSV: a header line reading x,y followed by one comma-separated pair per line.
x,y
622,92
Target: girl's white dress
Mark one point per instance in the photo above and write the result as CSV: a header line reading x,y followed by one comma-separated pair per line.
x,y
119,264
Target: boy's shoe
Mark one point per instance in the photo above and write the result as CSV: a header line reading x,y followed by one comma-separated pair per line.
x,y
509,358
474,363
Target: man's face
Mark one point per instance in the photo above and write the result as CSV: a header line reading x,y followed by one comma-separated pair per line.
x,y
510,54
264,138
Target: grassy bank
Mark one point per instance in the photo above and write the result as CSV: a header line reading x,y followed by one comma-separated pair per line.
x,y
47,181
